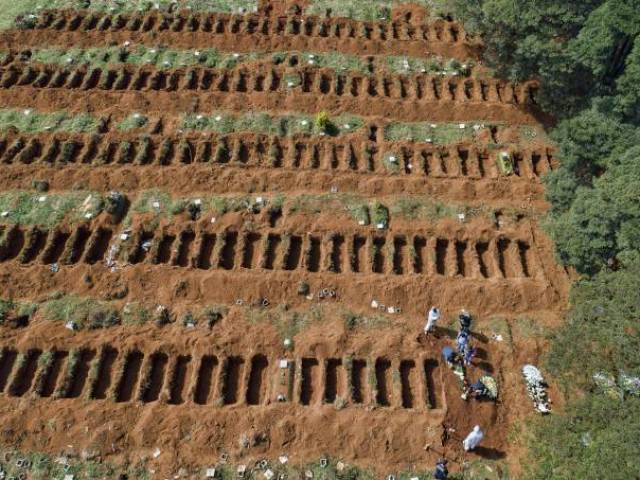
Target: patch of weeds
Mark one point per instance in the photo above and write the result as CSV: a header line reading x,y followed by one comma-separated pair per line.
x,y
29,121
371,10
359,210
213,314
25,13
292,80
26,208
391,162
526,327
156,202
505,162
500,326
133,121
322,121
433,133
287,322
188,320
84,312
6,308
485,470
264,123
408,65
135,313
335,60
42,466
355,321
379,215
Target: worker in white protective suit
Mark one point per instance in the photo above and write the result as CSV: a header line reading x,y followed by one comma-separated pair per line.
x,y
473,439
432,317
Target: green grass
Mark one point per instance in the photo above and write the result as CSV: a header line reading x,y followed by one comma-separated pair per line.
x,y
437,134
261,122
370,10
11,9
167,58
505,162
355,206
133,121
85,312
160,57
287,322
27,208
10,307
419,208
162,205
433,66
30,121
336,61
391,162
356,321
42,466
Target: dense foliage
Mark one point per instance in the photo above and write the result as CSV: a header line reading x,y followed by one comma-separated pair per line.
x,y
587,57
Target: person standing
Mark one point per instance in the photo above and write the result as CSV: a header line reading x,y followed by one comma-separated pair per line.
x,y
463,341
441,472
465,321
473,439
433,315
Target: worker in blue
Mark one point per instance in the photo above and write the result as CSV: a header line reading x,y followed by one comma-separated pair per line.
x,y
465,321
441,472
462,341
450,356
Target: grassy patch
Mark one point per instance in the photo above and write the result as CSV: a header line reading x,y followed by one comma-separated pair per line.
x,y
30,121
160,57
391,162
370,10
267,124
418,208
12,9
162,205
356,321
355,206
288,323
408,65
27,208
437,134
133,121
83,312
9,308
167,58
42,466
505,162
336,61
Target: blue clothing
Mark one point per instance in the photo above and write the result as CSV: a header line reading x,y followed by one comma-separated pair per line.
x,y
469,353
465,321
448,354
441,472
478,387
463,340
